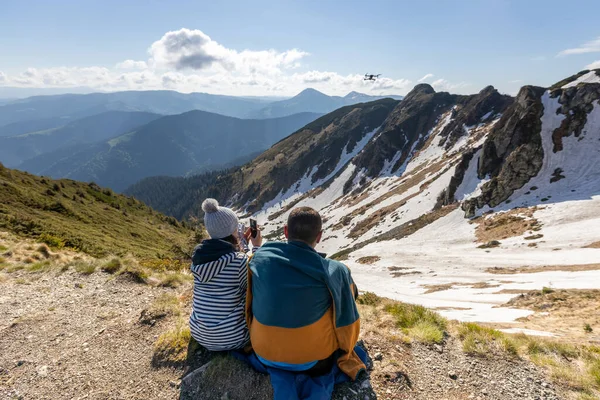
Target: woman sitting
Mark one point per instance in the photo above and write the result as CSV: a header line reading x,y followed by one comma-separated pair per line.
x,y
219,267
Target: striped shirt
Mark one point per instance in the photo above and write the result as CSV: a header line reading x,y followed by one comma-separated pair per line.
x,y
218,314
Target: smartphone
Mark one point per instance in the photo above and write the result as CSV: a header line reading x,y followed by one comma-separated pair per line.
x,y
253,227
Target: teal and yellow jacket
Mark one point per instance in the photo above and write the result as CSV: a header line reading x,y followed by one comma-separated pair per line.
x,y
300,307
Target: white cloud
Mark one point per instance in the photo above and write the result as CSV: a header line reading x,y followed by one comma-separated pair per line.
x,y
188,49
132,64
594,65
427,76
446,86
2,77
593,46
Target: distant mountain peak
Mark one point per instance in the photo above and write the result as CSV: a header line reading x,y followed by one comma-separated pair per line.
x,y
424,88
310,92
353,95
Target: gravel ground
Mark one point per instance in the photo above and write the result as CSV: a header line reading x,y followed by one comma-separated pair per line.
x,y
70,336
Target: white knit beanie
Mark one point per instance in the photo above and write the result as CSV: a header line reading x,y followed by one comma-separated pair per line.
x,y
219,222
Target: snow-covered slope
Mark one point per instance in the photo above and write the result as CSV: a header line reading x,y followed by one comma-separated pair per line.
x,y
403,192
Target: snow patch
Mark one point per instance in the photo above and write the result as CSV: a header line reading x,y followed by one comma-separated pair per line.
x,y
590,77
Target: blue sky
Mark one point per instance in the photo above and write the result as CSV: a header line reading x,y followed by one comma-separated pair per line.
x,y
281,47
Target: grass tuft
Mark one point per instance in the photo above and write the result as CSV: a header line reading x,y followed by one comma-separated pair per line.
x,y
39,266
418,322
84,268
112,266
426,332
483,341
171,347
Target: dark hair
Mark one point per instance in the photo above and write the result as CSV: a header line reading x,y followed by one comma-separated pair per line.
x,y
233,240
304,224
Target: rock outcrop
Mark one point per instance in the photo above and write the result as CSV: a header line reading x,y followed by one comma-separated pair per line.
x,y
512,153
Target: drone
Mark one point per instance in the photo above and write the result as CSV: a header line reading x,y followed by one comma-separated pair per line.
x,y
371,77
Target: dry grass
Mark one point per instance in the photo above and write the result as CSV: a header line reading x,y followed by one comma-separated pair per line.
x,y
564,312
165,305
489,245
574,367
439,287
545,268
446,286
174,279
368,260
505,225
595,245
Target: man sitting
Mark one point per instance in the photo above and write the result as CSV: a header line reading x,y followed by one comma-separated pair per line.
x,y
300,306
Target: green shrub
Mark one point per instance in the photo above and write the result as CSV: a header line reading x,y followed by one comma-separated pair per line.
x,y
547,290
52,241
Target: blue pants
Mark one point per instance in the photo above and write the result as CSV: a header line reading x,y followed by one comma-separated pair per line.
x,y
298,386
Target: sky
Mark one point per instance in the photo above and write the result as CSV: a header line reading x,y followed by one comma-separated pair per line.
x,y
280,47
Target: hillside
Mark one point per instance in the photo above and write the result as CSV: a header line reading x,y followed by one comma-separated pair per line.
x,y
311,100
16,149
172,145
86,217
259,181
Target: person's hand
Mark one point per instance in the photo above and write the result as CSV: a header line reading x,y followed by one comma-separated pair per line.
x,y
256,241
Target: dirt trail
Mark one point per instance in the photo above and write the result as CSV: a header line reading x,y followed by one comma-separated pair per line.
x,y
70,336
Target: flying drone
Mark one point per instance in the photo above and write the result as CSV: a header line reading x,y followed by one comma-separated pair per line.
x,y
371,77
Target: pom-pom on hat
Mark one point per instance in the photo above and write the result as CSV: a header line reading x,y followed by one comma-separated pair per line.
x,y
220,222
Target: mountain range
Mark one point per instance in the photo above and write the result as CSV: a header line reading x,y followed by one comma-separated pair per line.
x,y
46,112
381,170
172,145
